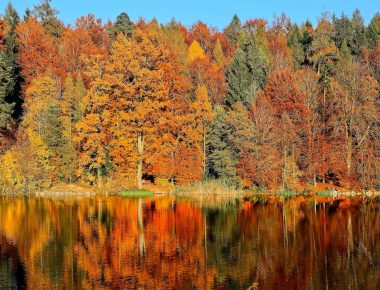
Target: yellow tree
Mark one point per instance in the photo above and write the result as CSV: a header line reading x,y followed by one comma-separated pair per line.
x,y
92,129
139,92
70,104
195,51
203,114
42,160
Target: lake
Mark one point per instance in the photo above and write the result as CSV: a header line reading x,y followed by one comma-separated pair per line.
x,y
181,243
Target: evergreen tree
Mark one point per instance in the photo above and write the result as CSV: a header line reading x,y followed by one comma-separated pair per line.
x,y
122,25
342,30
306,36
12,19
232,31
218,53
221,161
359,39
247,73
6,87
373,31
295,44
56,142
47,15
79,92
27,14
345,53
53,133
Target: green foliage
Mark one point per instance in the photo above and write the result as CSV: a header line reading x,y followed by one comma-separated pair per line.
x,y
12,19
136,193
122,25
286,193
233,30
323,53
327,193
359,39
7,83
306,37
345,53
373,31
221,160
47,15
53,133
261,199
172,32
79,92
295,44
342,30
11,51
350,32
247,73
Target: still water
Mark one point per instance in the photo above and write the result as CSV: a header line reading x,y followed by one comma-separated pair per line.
x,y
168,243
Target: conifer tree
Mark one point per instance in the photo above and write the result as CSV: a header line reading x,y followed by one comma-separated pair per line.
x,y
373,31
47,15
233,30
195,51
7,84
122,25
218,53
221,159
12,20
247,73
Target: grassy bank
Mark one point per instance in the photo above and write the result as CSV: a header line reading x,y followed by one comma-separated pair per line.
x,y
212,187
135,193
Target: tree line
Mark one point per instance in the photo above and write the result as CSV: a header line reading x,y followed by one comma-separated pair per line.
x,y
257,105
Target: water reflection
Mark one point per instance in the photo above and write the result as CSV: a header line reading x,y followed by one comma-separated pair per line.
x,y
163,243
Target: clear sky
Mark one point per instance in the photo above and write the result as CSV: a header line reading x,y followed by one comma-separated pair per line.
x,y
216,13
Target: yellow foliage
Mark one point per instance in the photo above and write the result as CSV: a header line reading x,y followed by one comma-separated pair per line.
x,y
10,172
42,92
195,51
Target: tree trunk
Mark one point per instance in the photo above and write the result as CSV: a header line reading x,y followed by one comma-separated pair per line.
x,y
100,177
204,152
141,228
284,168
349,155
294,162
140,148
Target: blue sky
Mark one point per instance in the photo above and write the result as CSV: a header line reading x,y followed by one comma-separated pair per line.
x,y
216,13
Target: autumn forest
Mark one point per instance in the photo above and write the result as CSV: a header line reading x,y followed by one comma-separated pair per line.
x,y
260,104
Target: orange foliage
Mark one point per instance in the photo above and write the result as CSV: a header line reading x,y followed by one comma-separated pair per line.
x,y
203,71
76,44
96,29
38,51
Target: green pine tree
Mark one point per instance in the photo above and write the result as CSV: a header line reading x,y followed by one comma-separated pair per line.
x,y
123,24
47,15
233,30
295,44
373,31
345,53
53,137
247,73
221,162
11,51
7,84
